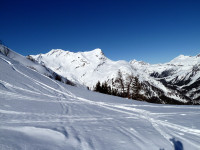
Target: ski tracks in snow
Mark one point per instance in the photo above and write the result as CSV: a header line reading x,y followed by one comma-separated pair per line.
x,y
166,129
63,123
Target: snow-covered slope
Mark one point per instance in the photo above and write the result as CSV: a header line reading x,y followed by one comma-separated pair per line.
x,y
87,68
37,112
32,64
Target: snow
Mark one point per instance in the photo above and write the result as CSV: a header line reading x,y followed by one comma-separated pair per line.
x,y
37,112
185,60
82,67
21,59
87,68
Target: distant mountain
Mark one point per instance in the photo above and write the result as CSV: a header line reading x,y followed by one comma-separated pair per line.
x,y
176,82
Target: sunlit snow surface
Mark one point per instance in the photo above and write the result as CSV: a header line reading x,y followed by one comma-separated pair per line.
x,y
37,113
87,68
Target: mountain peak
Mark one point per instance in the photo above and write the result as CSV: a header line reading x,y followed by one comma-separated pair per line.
x,y
53,51
96,51
185,60
181,57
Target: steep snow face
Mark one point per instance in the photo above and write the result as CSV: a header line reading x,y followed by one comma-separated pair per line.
x,y
37,112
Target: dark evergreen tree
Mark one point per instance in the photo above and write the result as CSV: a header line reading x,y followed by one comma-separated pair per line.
x,y
129,82
109,90
114,92
120,83
104,88
136,87
98,87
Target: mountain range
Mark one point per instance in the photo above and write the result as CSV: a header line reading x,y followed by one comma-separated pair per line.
x,y
175,82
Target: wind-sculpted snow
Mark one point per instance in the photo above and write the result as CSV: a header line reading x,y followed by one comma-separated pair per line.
x,y
39,113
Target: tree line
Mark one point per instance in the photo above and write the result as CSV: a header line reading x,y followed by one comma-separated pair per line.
x,y
128,87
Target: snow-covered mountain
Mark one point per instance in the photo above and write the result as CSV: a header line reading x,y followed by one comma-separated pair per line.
x,y
181,74
38,112
173,82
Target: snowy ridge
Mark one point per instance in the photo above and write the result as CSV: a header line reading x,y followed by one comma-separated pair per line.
x,y
37,112
87,68
30,63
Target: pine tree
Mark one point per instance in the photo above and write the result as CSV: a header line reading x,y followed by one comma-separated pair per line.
x,y
109,90
120,83
114,92
129,82
98,87
105,88
136,87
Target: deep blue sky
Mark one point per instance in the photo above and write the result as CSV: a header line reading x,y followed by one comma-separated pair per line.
x,y
154,31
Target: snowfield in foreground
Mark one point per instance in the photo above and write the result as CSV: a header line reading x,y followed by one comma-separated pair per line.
x,y
38,113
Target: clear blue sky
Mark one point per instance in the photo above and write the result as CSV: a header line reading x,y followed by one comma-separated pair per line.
x,y
154,31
